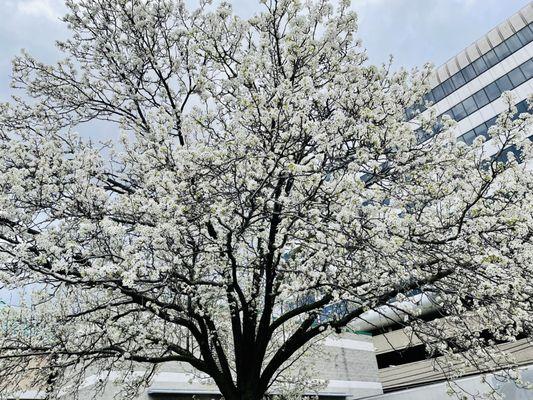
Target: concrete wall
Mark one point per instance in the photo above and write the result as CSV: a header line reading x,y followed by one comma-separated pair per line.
x,y
346,361
473,385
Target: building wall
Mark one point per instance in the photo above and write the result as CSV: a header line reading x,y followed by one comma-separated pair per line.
x,y
511,42
473,385
346,362
484,64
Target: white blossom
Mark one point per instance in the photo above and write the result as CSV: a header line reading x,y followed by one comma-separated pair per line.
x,y
264,173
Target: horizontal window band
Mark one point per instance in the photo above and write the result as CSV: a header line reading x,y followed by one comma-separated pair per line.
x,y
482,64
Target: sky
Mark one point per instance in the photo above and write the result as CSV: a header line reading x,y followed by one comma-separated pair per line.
x,y
413,31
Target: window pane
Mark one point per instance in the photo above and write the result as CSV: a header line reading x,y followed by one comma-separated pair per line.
x,y
502,51
458,112
469,105
409,113
437,128
517,77
490,58
492,91
458,79
504,83
430,98
480,98
447,87
469,73
521,107
513,43
432,93
527,69
481,130
479,66
504,157
491,121
438,93
448,113
468,137
525,35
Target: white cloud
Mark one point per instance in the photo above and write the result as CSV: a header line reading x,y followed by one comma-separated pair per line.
x,y
51,9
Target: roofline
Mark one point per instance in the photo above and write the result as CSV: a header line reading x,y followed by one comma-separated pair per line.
x,y
492,38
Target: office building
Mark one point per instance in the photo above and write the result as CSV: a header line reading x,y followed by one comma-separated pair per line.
x,y
467,88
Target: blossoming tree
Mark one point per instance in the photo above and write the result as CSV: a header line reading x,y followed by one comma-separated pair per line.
x,y
264,173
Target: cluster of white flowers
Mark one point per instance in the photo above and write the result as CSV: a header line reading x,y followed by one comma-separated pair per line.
x,y
264,173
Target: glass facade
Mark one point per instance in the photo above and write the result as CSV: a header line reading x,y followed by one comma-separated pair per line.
x,y
491,92
476,68
482,130
509,81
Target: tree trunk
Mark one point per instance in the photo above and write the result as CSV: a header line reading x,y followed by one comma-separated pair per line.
x,y
249,391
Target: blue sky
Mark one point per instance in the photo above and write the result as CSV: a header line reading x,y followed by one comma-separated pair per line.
x,y
414,31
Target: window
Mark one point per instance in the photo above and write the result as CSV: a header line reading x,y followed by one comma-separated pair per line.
x,y
481,130
527,69
469,105
458,112
492,91
521,107
490,58
405,356
473,103
449,113
438,93
468,137
525,35
480,98
479,66
416,108
458,79
409,113
447,87
429,97
504,156
469,73
502,51
438,126
491,122
504,83
513,43
517,77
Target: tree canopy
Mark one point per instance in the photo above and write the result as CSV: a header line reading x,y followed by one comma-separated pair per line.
x,y
262,173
